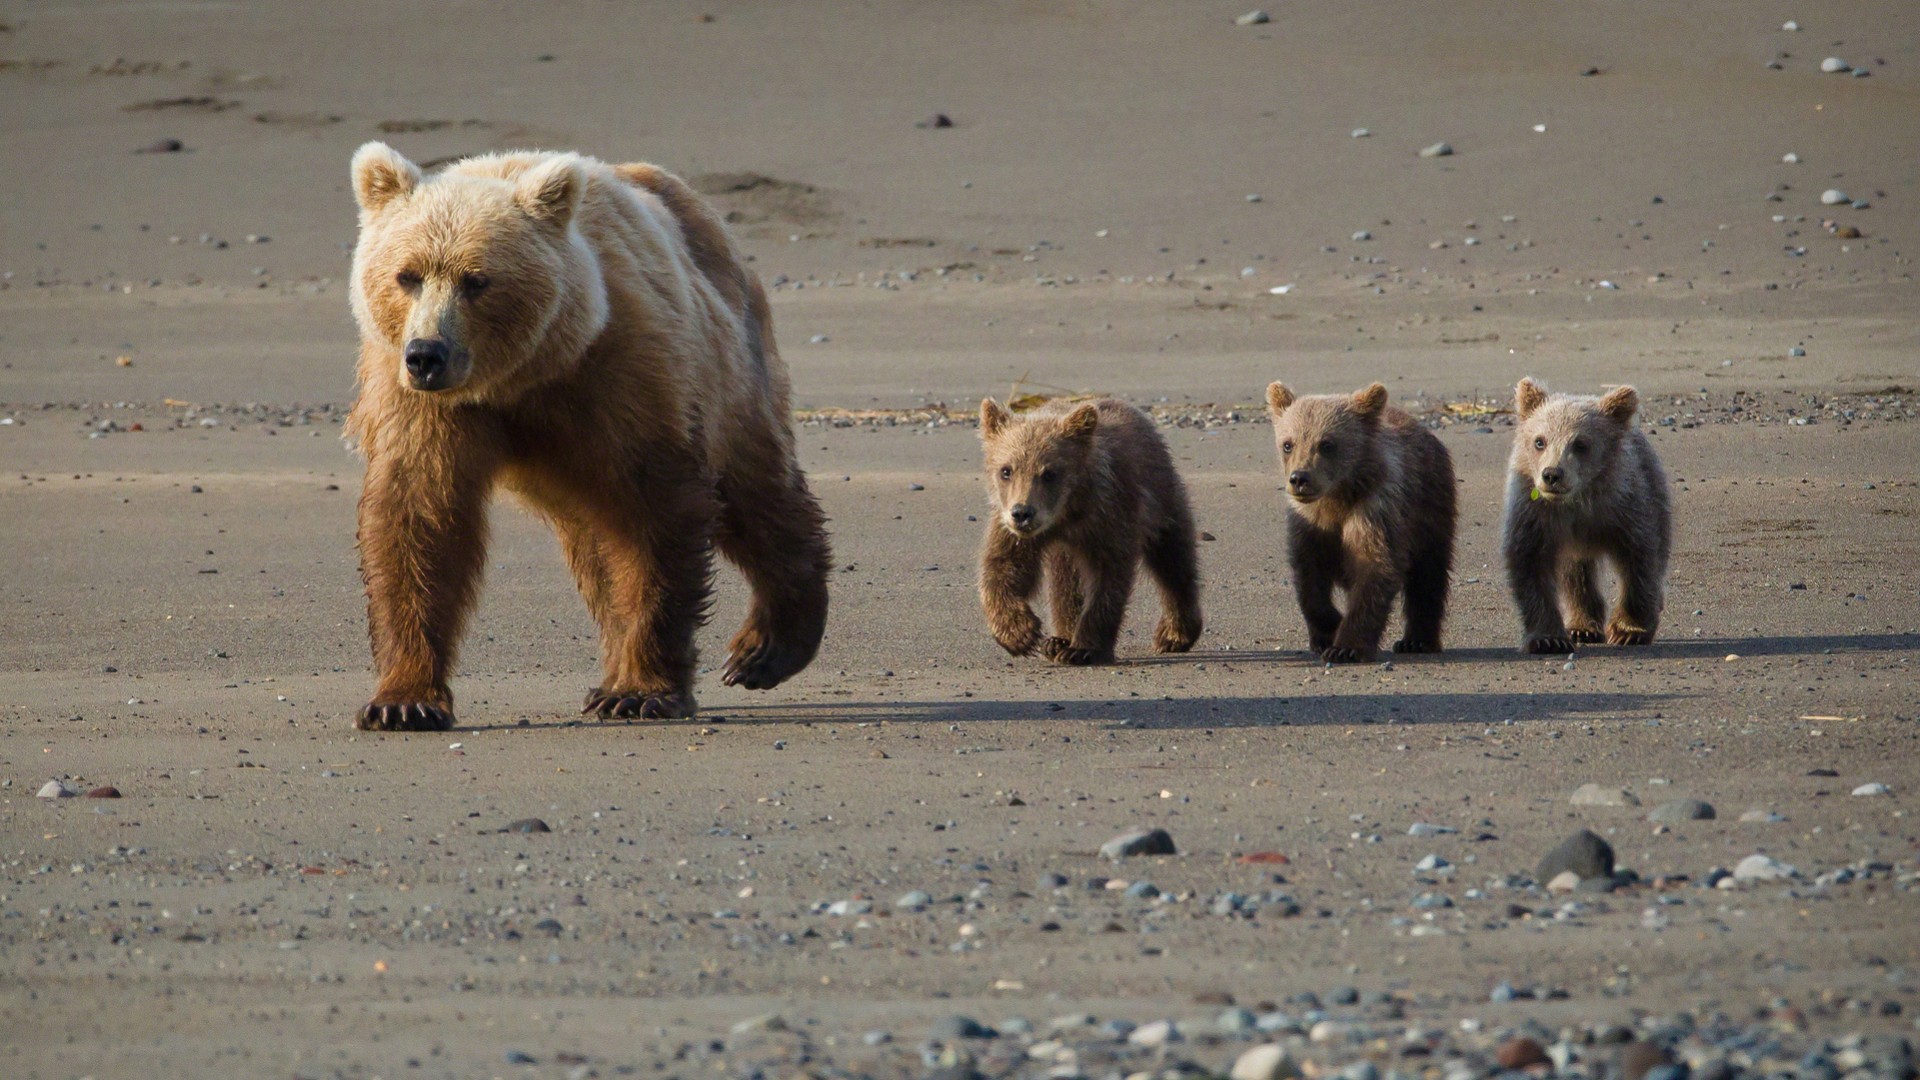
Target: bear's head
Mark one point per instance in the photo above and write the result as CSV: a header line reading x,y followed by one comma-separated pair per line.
x,y
1563,441
1036,464
469,277
1328,443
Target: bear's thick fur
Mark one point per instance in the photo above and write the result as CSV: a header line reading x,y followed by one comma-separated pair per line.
x,y
1584,484
1371,508
1086,493
585,335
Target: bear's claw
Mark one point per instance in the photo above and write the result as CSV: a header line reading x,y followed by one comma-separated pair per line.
x,y
1415,645
403,716
1171,638
1586,635
1062,651
1624,635
764,665
1550,645
635,705
1345,654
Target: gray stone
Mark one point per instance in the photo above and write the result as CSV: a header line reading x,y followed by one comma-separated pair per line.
x,y
1264,1063
1584,854
1157,1033
1253,18
1425,830
917,900
1600,795
1679,810
1139,842
959,1027
1875,788
1762,868
1438,149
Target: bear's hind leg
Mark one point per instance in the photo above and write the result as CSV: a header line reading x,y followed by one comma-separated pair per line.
x,y
1428,581
1580,585
1174,562
1642,595
774,531
1066,598
1109,584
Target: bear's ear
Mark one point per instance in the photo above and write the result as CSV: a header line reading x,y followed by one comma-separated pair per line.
x,y
381,175
1527,397
1278,397
993,417
1367,404
1620,404
551,190
1081,422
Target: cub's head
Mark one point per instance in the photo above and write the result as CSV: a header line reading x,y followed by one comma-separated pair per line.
x,y
469,276
1328,443
1036,463
1564,442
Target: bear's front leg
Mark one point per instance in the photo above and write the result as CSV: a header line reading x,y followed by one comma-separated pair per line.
x,y
1532,565
1009,576
1315,555
1108,583
422,537
1369,603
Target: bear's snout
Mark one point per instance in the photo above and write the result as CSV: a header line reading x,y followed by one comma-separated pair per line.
x,y
1553,478
1020,516
1300,483
428,366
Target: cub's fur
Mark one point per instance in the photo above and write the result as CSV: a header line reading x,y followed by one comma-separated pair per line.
x,y
586,336
1086,491
1370,509
1584,485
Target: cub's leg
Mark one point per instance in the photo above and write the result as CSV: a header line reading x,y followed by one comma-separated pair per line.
x,y
1316,556
1369,603
1428,580
423,541
1173,560
1108,583
1643,581
1532,574
1580,585
1066,596
1009,576
773,530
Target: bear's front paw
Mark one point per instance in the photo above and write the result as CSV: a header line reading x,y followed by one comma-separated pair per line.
x,y
1416,645
638,705
1587,635
762,663
1062,651
1171,637
1051,647
1346,654
403,716
1549,644
1018,635
1622,634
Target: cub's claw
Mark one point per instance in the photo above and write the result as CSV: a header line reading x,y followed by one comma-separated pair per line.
x,y
1345,654
1586,635
637,705
1169,638
403,716
1021,638
762,663
1550,645
1415,645
1626,635
1061,651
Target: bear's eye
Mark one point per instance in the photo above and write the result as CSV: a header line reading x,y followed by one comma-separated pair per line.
x,y
1046,476
1578,446
1006,472
1328,448
1287,447
1539,442
474,284
408,280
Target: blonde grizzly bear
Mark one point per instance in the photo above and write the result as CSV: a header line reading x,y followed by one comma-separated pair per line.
x,y
1085,492
585,336
1371,509
1584,484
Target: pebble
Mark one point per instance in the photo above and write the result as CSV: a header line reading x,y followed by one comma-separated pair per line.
x,y
1361,133
162,146
1762,868
1268,1062
1565,882
1430,864
1639,1058
1833,65
1438,149
1764,817
527,825
1679,810
1237,1021
1157,1033
877,1038
1520,1053
1790,159
57,789
917,900
1253,18
762,1022
105,791
1362,235
1584,854
1599,795
960,1027
1142,890
1833,197
520,1057
1789,25
1139,842
1875,788
1425,830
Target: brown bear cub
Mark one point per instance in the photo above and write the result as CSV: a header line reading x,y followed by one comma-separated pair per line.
x,y
586,336
1085,492
1585,485
1371,510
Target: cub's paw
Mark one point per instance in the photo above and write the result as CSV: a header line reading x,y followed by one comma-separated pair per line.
x,y
1588,635
1618,634
1062,651
1549,644
762,662
403,716
1345,654
1416,645
1171,637
1017,635
1051,647
637,705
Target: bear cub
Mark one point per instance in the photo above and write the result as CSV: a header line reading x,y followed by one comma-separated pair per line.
x,y
1371,509
1584,485
1086,492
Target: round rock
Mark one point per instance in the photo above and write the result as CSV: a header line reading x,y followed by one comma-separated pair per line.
x,y
1763,868
1679,810
1520,1053
1139,842
1833,65
1833,197
1601,795
1583,854
1438,149
1264,1063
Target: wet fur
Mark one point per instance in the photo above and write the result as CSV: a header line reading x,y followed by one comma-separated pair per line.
x,y
1379,523
1114,502
624,383
1615,507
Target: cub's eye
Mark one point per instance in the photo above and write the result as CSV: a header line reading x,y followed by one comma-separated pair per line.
x,y
1046,476
1287,447
408,280
474,284
1006,472
1578,446
1328,448
1539,443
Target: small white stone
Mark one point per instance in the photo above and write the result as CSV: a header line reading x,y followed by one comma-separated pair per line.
x,y
1281,290
1158,1033
1875,788
1362,235
1789,25
1834,197
1762,868
1790,158
1833,65
1564,882
56,789
1253,18
1358,133
1264,1063
1597,795
1540,128
1253,198
1438,149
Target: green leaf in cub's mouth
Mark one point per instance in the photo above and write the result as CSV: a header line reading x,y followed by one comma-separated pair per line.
x,y
1534,495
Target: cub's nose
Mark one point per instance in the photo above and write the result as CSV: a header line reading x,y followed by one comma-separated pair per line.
x,y
1553,474
1020,514
1299,479
426,359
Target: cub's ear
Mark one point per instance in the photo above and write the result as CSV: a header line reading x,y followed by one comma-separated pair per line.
x,y
1527,397
381,175
1081,422
1368,403
993,418
551,190
1278,398
1620,404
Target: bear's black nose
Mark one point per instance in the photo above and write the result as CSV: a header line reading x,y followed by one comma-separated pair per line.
x,y
1298,479
1021,513
1553,474
426,359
